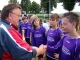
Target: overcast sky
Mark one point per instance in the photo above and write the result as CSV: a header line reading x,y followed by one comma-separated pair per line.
x,y
5,2
59,8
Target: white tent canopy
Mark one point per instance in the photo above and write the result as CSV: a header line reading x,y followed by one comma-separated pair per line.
x,y
61,10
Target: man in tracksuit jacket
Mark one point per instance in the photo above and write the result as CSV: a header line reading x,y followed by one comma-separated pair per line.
x,y
12,47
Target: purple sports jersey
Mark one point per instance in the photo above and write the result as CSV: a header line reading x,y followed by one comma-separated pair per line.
x,y
77,54
70,48
23,27
53,36
39,37
29,28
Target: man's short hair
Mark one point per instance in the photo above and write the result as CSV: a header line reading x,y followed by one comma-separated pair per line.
x,y
7,9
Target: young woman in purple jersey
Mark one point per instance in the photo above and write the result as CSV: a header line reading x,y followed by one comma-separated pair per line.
x,y
38,35
54,34
70,44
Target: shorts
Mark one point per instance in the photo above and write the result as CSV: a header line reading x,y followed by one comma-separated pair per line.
x,y
40,56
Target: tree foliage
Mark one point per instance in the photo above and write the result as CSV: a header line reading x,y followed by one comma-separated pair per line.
x,y
34,8
25,4
13,1
48,5
45,5
69,4
78,0
53,3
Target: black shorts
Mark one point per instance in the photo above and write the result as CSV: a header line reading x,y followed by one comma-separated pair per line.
x,y
48,58
40,56
28,41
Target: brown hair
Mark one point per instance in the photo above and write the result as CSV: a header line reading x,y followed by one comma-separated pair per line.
x,y
23,18
34,27
33,17
55,16
29,16
72,17
7,9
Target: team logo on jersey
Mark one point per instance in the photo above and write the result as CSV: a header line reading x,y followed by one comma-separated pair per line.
x,y
65,50
50,39
37,35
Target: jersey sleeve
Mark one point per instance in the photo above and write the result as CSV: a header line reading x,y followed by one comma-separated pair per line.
x,y
77,50
57,46
60,33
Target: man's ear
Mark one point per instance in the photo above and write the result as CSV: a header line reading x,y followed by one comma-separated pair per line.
x,y
9,16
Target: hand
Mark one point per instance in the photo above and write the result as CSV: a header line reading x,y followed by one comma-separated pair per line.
x,y
42,49
24,38
45,46
56,55
44,55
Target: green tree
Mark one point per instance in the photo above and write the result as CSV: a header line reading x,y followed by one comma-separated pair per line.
x,y
45,5
53,3
34,8
69,4
25,4
60,0
78,0
13,1
48,5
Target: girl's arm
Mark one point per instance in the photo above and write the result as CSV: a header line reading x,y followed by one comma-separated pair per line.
x,y
23,36
57,46
30,37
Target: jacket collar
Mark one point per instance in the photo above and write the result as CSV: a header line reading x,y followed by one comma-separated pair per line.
x,y
7,22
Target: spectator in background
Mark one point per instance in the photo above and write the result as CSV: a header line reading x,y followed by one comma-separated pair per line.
x,y
60,22
46,25
25,14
